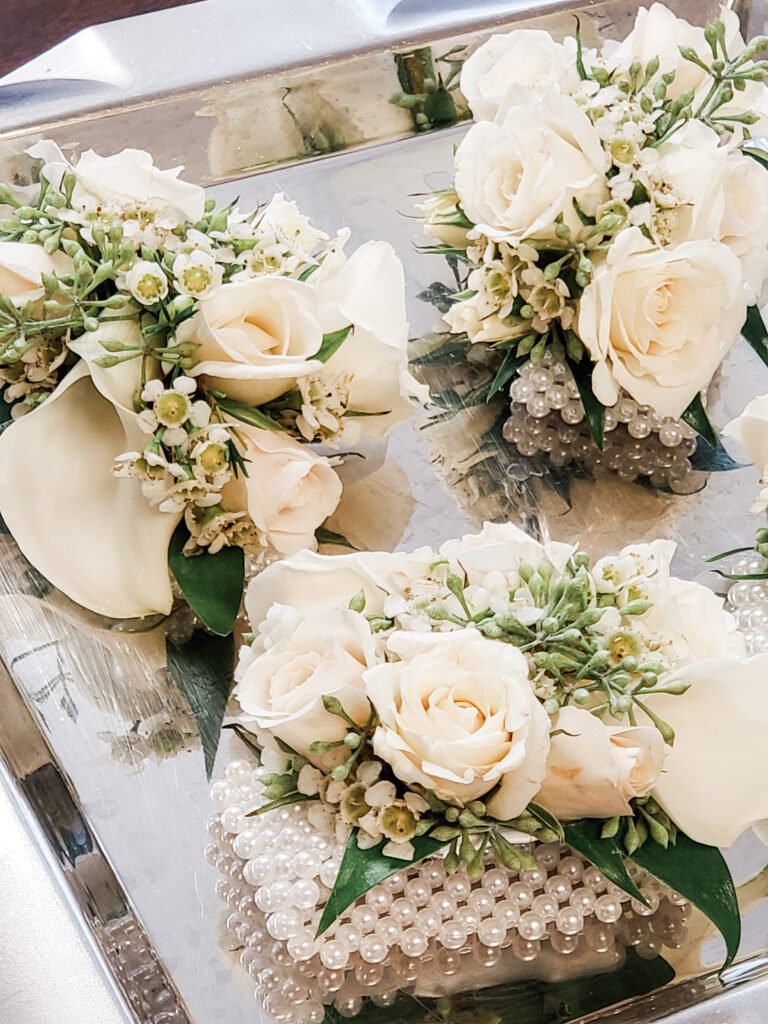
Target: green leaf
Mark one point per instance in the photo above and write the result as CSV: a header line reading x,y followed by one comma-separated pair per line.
x,y
543,815
696,416
331,342
700,874
712,460
212,584
605,854
755,333
760,155
284,801
593,410
506,372
325,536
361,870
203,668
248,414
727,554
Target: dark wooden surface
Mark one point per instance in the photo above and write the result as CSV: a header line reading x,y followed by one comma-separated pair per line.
x,y
27,27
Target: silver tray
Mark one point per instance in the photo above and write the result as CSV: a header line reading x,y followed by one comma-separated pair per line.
x,y
96,741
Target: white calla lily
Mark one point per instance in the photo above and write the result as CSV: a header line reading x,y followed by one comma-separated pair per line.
x,y
118,384
715,780
94,536
22,265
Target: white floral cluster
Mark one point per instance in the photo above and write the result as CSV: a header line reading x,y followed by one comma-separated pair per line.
x,y
197,351
604,200
478,693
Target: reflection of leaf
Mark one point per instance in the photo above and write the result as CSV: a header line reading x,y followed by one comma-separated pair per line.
x,y
212,584
361,870
451,353
605,854
203,669
712,460
438,295
524,1002
700,874
506,372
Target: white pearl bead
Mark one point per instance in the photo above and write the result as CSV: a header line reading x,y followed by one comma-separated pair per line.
x,y
569,921
444,904
388,929
404,911
379,899
521,894
418,891
490,932
546,907
607,909
458,886
558,886
349,936
373,949
452,935
506,913
364,918
428,921
413,942
481,901
531,927
334,955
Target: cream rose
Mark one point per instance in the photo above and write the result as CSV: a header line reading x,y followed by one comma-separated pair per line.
x,y
528,57
594,770
659,322
458,716
22,265
750,429
718,759
721,194
515,176
368,291
658,32
126,177
303,660
288,492
256,337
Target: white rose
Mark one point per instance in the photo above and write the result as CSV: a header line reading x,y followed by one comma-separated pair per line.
x,y
659,322
500,547
528,57
289,491
22,265
658,32
750,429
458,716
514,177
256,337
715,780
722,195
129,176
368,291
594,770
306,659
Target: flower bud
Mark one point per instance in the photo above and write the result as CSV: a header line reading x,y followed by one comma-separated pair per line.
x,y
357,603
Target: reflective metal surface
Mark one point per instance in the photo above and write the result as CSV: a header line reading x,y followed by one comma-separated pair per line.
x,y
98,740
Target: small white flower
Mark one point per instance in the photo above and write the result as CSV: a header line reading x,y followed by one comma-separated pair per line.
x,y
146,282
197,274
335,791
416,803
370,823
365,841
185,385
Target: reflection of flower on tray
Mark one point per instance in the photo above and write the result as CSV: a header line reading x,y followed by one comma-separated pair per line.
x,y
608,233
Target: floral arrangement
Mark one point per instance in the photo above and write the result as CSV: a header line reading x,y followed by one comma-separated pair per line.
x,y
500,691
608,217
164,367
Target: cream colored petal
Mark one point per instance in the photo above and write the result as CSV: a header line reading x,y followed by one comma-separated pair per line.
x,y
94,536
750,429
715,780
117,383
